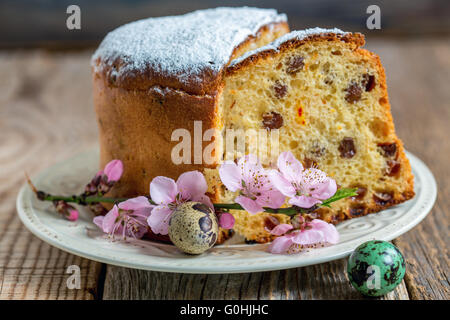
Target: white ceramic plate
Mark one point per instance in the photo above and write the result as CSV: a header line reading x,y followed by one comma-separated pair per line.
x,y
83,238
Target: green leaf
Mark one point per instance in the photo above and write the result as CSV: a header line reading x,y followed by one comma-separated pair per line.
x,y
340,194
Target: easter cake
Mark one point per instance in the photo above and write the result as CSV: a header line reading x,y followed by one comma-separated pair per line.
x,y
239,68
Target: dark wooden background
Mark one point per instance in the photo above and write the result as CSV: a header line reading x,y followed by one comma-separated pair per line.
x,y
46,115
41,23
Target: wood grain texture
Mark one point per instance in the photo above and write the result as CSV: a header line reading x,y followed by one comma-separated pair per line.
x,y
46,115
418,75
324,281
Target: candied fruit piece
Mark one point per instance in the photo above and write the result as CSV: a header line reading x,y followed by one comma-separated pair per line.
x,y
389,149
271,222
347,148
295,64
272,120
358,210
353,93
361,192
383,198
280,89
393,167
300,118
368,82
309,163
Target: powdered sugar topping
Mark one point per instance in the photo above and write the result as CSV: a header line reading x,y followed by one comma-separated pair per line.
x,y
298,35
185,45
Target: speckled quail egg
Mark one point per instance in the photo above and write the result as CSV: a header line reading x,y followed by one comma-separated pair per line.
x,y
193,227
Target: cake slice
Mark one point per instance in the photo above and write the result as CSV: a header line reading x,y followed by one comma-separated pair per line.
x,y
328,98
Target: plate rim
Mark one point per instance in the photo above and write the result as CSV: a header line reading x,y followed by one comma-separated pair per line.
x,y
24,195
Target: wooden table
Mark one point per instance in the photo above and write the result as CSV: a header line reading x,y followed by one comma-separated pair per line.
x,y
46,115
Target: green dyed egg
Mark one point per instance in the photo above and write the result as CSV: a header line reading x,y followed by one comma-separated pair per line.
x,y
376,268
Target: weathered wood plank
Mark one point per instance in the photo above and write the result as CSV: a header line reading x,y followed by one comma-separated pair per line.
x,y
45,116
325,281
418,73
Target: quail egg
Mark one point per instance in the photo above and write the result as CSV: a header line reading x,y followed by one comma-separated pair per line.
x,y
193,227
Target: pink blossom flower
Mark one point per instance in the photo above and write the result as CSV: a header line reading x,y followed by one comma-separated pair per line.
x,y
128,218
72,214
304,187
310,235
105,179
168,194
113,170
69,212
251,180
226,220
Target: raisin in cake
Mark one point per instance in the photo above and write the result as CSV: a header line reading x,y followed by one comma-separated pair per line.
x,y
237,68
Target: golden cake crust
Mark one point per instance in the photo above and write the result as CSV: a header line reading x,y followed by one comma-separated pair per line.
x,y
357,39
207,81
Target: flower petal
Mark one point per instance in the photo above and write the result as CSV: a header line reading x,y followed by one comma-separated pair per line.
x,y
308,237
304,202
159,219
281,183
326,189
281,229
142,214
98,220
163,190
280,245
289,166
226,220
110,219
113,170
191,184
231,176
331,235
271,198
137,203
139,233
249,163
249,205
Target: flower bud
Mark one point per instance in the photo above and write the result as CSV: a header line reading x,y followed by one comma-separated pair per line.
x,y
298,221
69,212
105,179
72,214
113,170
104,186
226,220
92,187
